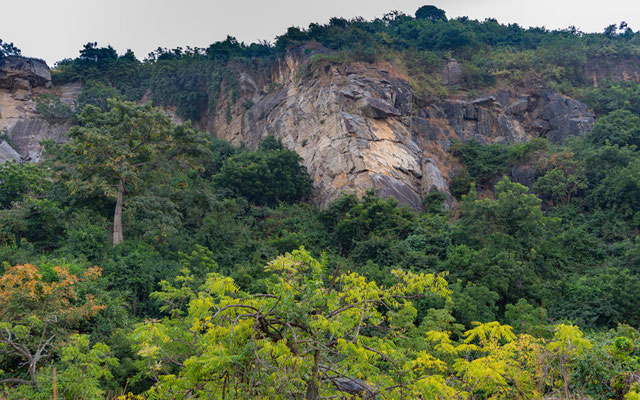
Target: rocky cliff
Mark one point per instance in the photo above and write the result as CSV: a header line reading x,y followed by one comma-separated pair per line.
x,y
21,81
359,126
356,126
618,69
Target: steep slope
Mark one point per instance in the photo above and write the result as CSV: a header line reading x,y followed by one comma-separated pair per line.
x,y
356,126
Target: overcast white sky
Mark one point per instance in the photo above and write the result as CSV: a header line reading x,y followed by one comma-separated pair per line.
x,y
57,29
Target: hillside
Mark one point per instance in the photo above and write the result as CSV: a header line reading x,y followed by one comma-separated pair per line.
x,y
380,131
412,207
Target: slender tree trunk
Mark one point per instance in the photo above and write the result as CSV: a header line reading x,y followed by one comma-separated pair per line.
x,y
32,374
313,391
117,215
55,384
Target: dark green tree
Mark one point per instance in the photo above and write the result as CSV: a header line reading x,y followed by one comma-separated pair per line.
x,y
431,13
266,176
620,127
8,49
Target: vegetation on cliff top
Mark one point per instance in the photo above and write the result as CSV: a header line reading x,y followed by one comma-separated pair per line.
x,y
489,53
8,49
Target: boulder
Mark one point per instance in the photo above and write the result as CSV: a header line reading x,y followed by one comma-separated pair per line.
x,y
23,73
7,153
377,108
387,186
566,117
524,175
432,176
451,72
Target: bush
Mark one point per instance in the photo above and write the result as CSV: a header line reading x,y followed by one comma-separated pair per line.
x,y
460,184
266,176
53,109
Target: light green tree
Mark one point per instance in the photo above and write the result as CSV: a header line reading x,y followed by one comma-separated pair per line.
x,y
303,338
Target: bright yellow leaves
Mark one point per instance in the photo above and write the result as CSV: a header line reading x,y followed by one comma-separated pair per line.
x,y
306,334
568,340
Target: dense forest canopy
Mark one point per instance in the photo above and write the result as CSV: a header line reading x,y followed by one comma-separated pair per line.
x,y
143,259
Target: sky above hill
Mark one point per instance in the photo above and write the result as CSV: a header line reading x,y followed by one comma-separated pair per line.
x,y
58,29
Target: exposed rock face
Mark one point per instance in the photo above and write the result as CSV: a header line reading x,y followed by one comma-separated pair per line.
x,y
358,127
618,69
524,175
7,153
451,72
21,80
23,73
508,118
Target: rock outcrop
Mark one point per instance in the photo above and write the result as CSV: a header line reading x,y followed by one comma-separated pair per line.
x,y
7,153
516,118
23,73
451,72
618,69
359,126
21,81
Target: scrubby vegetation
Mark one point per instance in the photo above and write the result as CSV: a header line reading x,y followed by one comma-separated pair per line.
x,y
8,49
148,260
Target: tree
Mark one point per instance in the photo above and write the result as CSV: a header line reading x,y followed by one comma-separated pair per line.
x,y
302,338
568,344
562,178
20,180
35,310
81,373
8,49
353,220
266,176
619,192
431,13
113,151
620,127
98,55
97,93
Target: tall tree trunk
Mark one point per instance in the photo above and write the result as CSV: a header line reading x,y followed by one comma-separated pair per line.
x,y
32,374
55,384
117,215
313,391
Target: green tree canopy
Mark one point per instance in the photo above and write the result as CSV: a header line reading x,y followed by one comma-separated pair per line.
x,y
301,338
114,150
266,176
431,13
620,127
8,49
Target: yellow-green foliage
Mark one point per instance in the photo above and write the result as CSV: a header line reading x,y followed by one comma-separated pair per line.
x,y
302,335
308,337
